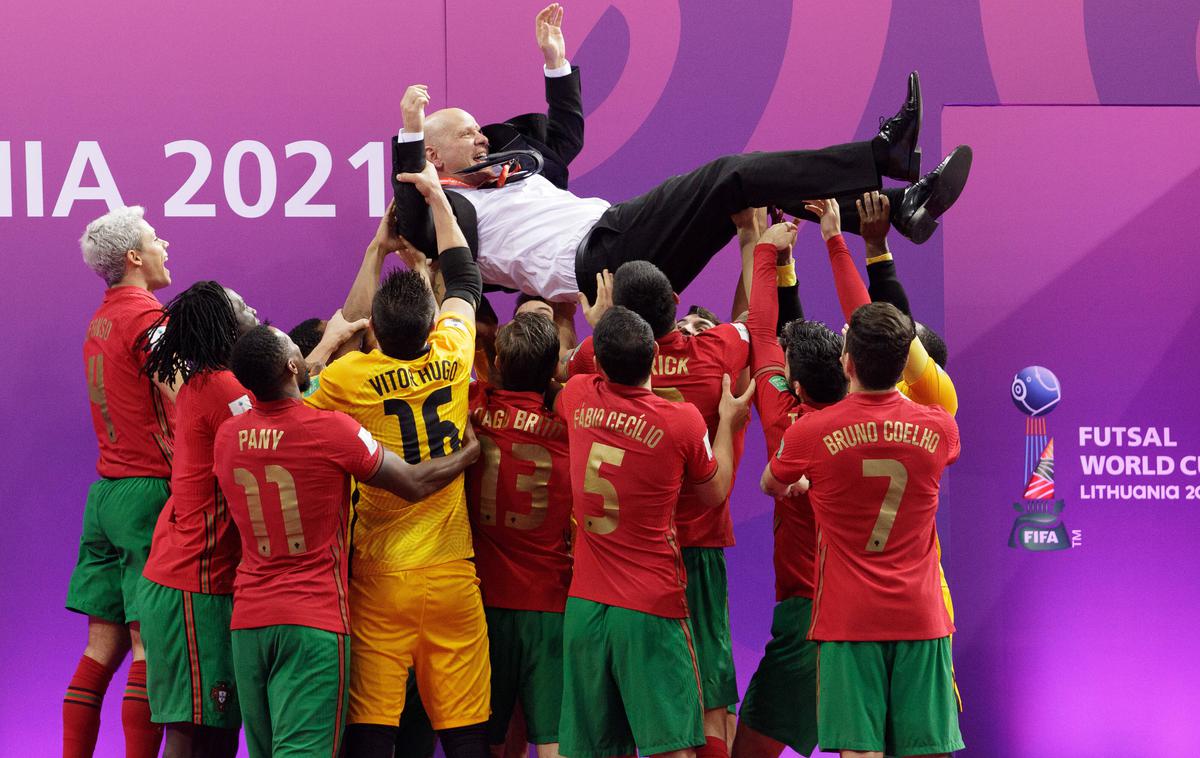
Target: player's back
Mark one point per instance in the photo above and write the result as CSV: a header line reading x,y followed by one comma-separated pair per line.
x,y
519,498
195,546
874,461
630,451
285,471
418,408
133,422
688,369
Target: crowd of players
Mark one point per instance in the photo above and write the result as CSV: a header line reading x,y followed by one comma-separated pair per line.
x,y
410,522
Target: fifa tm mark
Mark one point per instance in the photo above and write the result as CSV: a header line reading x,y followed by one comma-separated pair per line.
x,y
1076,538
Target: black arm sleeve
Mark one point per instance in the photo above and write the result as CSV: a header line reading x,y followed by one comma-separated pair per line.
x,y
886,287
461,275
789,306
414,222
564,132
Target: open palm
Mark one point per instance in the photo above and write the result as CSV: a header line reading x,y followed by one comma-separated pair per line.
x,y
549,35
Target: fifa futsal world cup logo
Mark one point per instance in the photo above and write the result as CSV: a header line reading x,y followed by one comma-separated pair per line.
x,y
1039,527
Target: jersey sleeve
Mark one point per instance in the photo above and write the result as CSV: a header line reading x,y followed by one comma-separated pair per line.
x,y
775,403
953,442
794,456
852,293
329,392
230,399
699,463
454,336
138,325
932,385
350,446
583,359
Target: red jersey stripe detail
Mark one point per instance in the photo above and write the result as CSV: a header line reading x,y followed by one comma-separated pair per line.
x,y
341,695
687,636
821,548
189,625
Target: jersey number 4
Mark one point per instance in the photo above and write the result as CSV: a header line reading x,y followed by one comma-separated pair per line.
x,y
897,477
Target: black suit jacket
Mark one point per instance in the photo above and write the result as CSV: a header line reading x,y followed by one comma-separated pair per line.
x,y
556,134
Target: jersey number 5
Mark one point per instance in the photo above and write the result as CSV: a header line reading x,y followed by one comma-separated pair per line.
x,y
897,477
595,484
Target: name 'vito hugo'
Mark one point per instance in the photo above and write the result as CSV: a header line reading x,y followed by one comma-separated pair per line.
x,y
867,432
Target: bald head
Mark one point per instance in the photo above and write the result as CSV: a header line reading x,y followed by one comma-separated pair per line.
x,y
454,141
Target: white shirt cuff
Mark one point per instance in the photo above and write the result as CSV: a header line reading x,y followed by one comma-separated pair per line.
x,y
404,136
554,73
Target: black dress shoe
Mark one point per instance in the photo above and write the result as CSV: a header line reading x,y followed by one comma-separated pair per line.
x,y
896,153
923,202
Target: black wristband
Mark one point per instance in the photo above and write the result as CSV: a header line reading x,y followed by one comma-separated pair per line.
x,y
461,275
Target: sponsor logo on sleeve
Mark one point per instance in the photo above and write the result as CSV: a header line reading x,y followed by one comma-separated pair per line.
x,y
239,406
368,440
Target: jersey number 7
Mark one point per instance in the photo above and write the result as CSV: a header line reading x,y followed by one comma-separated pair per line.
x,y
897,477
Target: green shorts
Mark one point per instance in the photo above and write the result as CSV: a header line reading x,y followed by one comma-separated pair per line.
x,y
527,664
189,656
118,523
630,683
708,604
781,700
293,685
898,697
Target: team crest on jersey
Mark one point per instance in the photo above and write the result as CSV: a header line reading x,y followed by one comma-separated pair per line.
x,y
220,694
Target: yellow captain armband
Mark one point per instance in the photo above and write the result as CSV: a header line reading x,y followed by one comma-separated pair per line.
x,y
879,258
785,275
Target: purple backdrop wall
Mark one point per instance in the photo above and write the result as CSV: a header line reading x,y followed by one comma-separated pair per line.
x,y
667,85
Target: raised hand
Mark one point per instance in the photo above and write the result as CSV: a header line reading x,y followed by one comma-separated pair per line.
x,y
782,236
831,216
548,25
412,107
735,408
874,218
426,181
593,311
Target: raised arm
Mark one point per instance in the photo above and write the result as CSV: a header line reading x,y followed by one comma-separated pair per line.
x,y
851,292
564,130
464,286
873,213
418,481
338,330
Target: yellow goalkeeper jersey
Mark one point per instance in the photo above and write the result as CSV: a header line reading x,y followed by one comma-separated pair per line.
x,y
418,409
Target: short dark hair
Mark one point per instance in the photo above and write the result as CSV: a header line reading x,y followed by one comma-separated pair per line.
x,y
307,334
644,289
259,361
933,343
402,314
624,345
877,342
704,313
814,359
527,348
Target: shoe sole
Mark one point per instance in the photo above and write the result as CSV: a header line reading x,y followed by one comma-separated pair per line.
x,y
951,180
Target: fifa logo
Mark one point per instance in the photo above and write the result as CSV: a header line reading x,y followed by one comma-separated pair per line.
x,y
1039,526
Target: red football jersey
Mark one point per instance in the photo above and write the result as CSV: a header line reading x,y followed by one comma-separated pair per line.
x,y
196,546
133,421
631,451
519,501
689,369
874,461
795,530
285,470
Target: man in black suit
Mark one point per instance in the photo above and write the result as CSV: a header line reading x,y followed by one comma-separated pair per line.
x,y
537,237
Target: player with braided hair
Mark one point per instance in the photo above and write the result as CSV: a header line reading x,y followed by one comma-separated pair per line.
x,y
186,590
